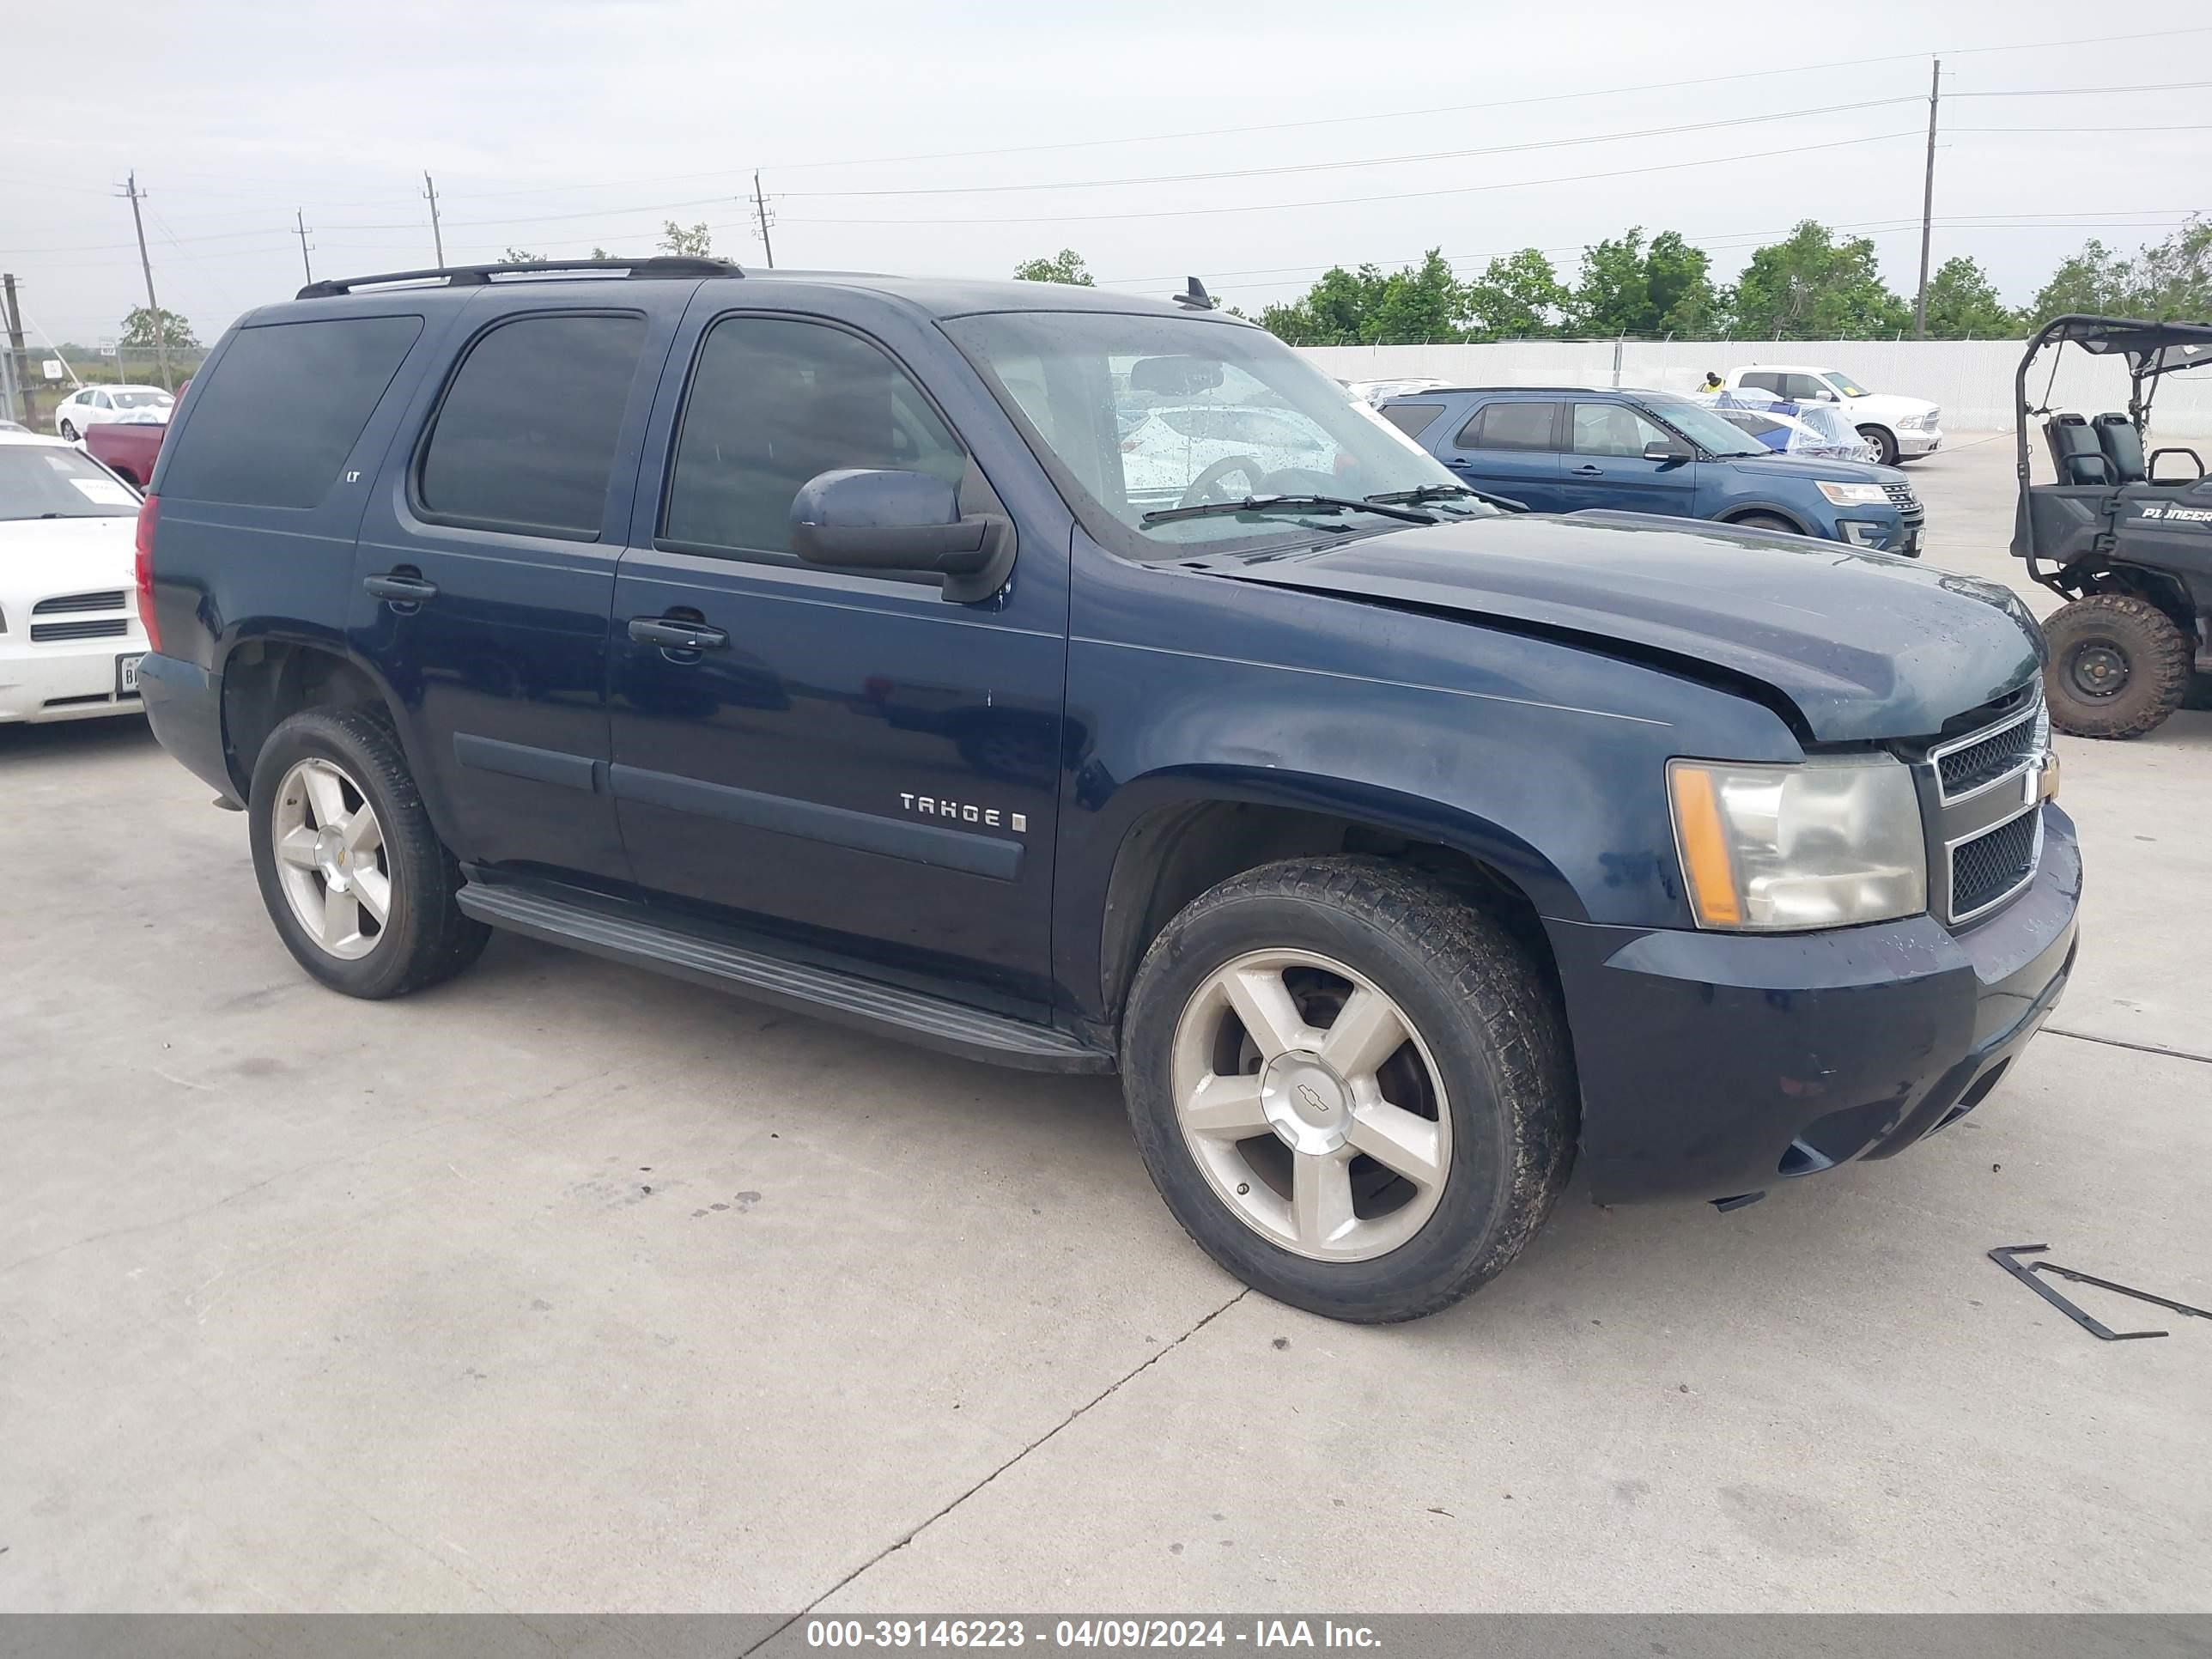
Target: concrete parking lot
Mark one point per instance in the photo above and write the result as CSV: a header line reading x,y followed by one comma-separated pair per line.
x,y
566,1287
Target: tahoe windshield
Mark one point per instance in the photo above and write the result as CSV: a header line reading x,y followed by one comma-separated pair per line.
x,y
37,482
1139,416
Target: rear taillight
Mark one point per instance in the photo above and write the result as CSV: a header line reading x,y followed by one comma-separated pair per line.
x,y
148,511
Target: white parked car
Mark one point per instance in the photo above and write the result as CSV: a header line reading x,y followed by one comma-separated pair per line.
x,y
1166,450
1900,429
70,634
1377,392
97,405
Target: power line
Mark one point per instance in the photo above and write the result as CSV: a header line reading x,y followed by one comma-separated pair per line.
x,y
1396,196
1368,161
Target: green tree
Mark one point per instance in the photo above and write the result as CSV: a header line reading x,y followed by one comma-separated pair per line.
x,y
1421,304
697,242
515,256
2171,280
146,328
1065,266
1519,297
2091,280
1962,304
1813,287
1679,278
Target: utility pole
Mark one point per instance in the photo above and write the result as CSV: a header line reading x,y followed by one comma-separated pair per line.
x,y
760,211
300,219
437,236
153,306
1928,205
17,399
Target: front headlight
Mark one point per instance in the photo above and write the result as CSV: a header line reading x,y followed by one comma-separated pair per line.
x,y
1855,495
1824,844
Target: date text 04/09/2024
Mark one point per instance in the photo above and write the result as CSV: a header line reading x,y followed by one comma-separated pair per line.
x,y
926,1634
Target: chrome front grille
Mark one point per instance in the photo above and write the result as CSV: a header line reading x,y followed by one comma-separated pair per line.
x,y
1907,504
1987,796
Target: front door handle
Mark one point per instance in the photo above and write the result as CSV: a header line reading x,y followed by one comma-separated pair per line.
x,y
1587,471
403,589
674,633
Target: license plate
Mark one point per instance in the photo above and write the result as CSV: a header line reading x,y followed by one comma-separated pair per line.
x,y
126,675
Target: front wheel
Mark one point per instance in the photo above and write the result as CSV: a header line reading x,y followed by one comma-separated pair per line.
x,y
68,432
361,889
1352,1088
1885,446
2118,666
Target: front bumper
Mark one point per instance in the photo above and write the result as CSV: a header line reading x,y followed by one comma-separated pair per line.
x,y
1714,1065
1883,529
74,681
1915,441
184,705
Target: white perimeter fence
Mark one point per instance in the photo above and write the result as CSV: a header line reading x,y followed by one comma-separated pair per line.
x,y
1971,380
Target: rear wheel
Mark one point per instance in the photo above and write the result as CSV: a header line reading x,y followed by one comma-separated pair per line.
x,y
2118,666
69,431
1352,1089
1885,446
360,887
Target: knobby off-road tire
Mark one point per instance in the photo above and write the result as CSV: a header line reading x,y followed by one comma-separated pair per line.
x,y
1347,941
2115,640
339,833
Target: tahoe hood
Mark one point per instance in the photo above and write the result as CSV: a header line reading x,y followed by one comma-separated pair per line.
x,y
1865,646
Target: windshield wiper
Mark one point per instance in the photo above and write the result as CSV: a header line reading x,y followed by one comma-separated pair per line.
x,y
1444,492
1287,504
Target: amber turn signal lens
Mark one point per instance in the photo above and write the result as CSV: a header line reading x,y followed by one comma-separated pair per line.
x,y
1704,847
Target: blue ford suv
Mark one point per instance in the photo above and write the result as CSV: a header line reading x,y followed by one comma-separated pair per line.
x,y
819,638
1571,449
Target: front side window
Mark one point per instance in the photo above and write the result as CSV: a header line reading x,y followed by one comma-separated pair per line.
x,y
525,439
1613,430
273,423
1511,425
1140,417
1805,388
37,482
773,402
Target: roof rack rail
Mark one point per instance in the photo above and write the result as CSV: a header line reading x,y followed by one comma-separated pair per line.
x,y
476,276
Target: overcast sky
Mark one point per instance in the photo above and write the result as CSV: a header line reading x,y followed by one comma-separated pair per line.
x,y
553,125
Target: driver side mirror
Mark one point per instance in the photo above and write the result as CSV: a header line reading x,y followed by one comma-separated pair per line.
x,y
867,518
1666,449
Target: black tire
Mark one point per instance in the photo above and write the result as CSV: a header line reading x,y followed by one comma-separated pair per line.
x,y
1884,445
2129,641
425,938
68,432
1481,1004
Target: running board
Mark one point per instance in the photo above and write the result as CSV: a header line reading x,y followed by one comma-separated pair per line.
x,y
806,987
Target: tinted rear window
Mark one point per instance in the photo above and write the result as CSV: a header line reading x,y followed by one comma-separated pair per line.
x,y
1510,426
275,420
1410,418
525,439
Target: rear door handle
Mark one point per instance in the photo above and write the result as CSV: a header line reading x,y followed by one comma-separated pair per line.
x,y
677,635
403,589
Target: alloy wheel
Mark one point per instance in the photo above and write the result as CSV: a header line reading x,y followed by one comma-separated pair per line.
x,y
331,859
1311,1105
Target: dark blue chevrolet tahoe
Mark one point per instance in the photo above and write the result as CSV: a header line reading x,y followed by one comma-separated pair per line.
x,y
806,634
1575,449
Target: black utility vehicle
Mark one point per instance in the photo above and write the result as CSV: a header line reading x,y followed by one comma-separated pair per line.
x,y
864,646
2129,545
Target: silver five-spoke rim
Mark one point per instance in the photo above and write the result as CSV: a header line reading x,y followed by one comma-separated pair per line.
x,y
331,859
1312,1105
